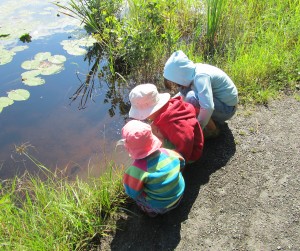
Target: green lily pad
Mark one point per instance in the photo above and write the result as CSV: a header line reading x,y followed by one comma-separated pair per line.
x,y
57,59
19,48
34,81
74,47
5,101
30,64
52,69
6,56
19,94
41,56
30,74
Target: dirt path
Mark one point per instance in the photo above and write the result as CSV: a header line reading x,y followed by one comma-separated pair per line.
x,y
244,194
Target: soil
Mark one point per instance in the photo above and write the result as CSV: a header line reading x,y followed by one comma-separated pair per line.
x,y
243,194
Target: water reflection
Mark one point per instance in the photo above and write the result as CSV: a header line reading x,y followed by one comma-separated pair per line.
x,y
99,72
80,141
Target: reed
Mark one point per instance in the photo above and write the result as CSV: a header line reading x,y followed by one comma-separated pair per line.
x,y
55,213
255,42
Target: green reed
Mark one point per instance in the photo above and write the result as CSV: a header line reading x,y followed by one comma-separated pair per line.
x,y
54,213
255,42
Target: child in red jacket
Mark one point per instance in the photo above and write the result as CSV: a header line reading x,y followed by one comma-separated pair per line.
x,y
175,119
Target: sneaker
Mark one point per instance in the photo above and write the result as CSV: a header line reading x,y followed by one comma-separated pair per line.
x,y
211,134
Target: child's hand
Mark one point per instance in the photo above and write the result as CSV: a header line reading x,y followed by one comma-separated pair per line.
x,y
211,134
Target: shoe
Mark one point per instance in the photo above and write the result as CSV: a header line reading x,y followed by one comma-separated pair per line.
x,y
152,214
211,134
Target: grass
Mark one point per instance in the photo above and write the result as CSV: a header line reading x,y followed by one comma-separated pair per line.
x,y
55,213
255,42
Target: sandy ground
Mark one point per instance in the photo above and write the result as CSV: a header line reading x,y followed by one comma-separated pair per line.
x,y
243,194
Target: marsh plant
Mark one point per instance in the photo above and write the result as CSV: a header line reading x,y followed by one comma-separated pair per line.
x,y
52,212
255,42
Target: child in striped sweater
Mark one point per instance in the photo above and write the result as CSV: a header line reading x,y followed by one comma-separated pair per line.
x,y
154,179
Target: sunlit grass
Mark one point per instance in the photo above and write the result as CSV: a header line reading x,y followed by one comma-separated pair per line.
x,y
255,42
55,213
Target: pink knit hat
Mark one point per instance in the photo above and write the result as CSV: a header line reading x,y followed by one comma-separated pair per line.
x,y
139,139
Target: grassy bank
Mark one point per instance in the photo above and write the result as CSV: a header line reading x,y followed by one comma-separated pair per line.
x,y
255,42
54,213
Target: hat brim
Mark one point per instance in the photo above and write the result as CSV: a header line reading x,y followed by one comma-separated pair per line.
x,y
142,114
155,145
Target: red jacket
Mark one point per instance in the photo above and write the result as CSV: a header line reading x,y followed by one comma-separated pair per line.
x,y
177,122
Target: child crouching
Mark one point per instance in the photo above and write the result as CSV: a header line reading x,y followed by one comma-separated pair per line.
x,y
154,179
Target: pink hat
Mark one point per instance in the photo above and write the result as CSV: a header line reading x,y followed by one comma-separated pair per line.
x,y
139,139
145,100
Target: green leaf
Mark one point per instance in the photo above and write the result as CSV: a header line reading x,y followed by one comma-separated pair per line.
x,y
5,56
30,74
30,64
19,94
57,59
52,69
42,56
19,48
34,81
5,101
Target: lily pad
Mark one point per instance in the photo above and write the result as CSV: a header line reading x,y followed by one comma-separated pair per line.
x,y
19,48
6,56
34,81
52,69
74,47
57,59
44,64
41,56
19,94
30,74
5,101
30,64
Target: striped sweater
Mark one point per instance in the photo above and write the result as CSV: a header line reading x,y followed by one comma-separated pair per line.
x,y
157,177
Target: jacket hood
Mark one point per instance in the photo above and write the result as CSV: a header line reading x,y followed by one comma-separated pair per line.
x,y
179,69
176,110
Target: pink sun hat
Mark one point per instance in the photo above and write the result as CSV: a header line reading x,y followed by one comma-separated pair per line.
x,y
139,140
145,100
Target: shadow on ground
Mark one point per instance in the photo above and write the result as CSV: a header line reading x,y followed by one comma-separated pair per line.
x,y
137,231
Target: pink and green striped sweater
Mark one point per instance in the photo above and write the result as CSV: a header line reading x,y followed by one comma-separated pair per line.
x,y
157,177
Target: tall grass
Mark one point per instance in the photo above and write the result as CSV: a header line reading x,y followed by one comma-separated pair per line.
x,y
255,42
57,214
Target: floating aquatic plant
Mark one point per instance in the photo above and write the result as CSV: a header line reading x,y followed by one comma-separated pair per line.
x,y
13,95
42,64
6,55
18,94
4,102
25,38
74,47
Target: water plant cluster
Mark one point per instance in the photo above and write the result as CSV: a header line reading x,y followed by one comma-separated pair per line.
x,y
255,42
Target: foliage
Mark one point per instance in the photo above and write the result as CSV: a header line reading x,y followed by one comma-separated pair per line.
x,y
25,38
55,213
255,42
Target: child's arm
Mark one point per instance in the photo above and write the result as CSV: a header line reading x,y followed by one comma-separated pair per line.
x,y
133,181
211,130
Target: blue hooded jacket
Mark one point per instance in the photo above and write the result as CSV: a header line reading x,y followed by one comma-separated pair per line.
x,y
207,81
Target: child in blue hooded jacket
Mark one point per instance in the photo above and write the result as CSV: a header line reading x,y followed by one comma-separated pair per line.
x,y
206,87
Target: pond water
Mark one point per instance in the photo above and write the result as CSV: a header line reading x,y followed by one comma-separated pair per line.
x,y
55,130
